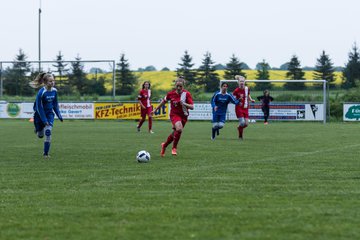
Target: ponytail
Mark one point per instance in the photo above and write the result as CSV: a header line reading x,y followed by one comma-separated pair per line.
x,y
40,79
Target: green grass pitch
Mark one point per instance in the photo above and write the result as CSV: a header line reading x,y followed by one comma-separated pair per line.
x,y
284,181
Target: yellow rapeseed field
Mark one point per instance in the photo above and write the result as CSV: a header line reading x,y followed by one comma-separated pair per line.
x,y
164,79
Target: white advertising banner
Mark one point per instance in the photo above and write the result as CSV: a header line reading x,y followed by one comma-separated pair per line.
x,y
3,109
202,111
351,112
77,110
282,112
27,110
16,110
67,110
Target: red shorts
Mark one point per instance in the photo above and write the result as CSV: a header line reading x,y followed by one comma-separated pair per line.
x,y
242,112
146,111
176,118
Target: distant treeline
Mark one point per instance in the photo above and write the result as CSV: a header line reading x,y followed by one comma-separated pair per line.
x,y
74,78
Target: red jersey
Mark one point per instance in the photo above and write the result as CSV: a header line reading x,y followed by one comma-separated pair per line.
x,y
243,96
176,107
144,97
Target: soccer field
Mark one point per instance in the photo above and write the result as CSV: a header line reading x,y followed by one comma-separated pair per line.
x,y
284,181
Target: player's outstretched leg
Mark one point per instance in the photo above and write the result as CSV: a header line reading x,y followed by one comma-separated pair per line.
x,y
241,135
150,125
242,124
163,148
240,131
213,131
166,143
47,141
141,121
38,127
40,134
177,136
220,126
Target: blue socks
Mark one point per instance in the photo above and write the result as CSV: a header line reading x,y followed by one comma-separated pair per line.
x,y
213,133
46,148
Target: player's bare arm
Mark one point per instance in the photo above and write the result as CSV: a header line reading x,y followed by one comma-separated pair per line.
x,y
252,100
158,107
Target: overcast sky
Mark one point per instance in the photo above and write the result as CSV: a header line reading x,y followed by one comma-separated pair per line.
x,y
157,32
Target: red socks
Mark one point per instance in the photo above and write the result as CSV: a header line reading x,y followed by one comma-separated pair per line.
x,y
141,121
169,139
241,130
177,136
150,123
174,136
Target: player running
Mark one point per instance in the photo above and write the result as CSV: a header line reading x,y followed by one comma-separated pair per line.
x,y
45,105
265,104
145,104
219,103
181,101
242,93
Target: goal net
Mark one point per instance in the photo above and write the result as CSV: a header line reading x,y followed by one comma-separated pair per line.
x,y
294,100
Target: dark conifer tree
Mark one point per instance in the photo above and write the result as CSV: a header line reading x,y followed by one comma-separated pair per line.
x,y
16,81
324,69
77,77
295,72
126,80
233,68
61,71
351,72
186,69
207,76
263,74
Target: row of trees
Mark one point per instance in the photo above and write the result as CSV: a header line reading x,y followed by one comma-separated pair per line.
x,y
206,78
73,79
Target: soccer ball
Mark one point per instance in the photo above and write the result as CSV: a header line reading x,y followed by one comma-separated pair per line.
x,y
143,156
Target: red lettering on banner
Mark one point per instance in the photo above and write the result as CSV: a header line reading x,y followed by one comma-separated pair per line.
x,y
118,111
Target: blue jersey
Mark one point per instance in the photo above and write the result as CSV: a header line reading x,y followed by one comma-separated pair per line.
x,y
46,104
221,101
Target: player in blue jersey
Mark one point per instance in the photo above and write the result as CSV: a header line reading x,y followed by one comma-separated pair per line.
x,y
45,105
219,103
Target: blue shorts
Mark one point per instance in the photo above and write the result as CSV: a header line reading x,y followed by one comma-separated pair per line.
x,y
39,125
219,118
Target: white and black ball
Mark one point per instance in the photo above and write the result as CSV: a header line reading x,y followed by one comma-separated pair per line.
x,y
143,156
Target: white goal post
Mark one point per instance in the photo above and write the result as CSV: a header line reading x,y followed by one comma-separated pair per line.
x,y
319,82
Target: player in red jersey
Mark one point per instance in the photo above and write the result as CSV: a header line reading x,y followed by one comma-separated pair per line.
x,y
242,93
145,104
181,101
